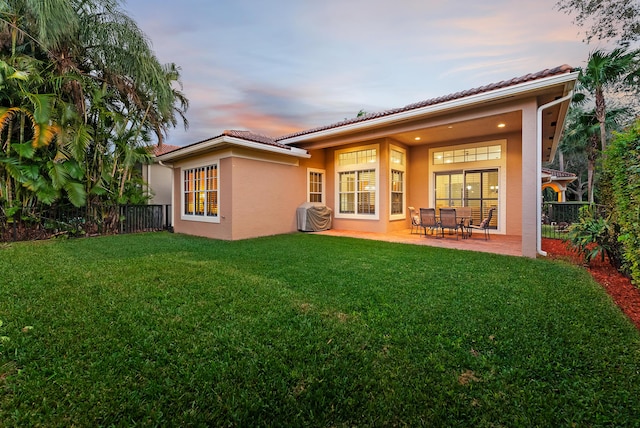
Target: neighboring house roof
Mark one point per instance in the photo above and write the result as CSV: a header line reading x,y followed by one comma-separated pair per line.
x,y
563,69
161,150
549,174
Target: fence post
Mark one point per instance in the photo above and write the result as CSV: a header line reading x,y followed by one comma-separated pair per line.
x,y
15,229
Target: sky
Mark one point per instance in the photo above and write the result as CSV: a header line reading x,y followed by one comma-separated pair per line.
x,y
275,67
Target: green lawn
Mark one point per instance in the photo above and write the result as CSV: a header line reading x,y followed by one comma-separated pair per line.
x,y
305,330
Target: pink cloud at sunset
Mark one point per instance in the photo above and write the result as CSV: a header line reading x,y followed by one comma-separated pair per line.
x,y
278,66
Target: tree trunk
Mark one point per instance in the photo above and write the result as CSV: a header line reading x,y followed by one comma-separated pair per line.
x,y
592,154
601,116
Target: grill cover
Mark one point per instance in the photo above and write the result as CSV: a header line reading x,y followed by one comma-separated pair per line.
x,y
313,217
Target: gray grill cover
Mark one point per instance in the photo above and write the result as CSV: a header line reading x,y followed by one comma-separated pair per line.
x,y
313,217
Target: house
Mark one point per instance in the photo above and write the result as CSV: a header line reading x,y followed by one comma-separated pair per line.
x,y
481,148
160,192
557,181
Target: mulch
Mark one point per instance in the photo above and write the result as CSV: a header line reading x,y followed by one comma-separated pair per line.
x,y
619,287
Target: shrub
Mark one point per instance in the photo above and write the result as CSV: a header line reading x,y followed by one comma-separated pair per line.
x,y
594,234
623,165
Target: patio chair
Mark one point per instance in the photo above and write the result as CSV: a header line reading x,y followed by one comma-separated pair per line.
x,y
465,217
415,219
449,220
428,220
484,225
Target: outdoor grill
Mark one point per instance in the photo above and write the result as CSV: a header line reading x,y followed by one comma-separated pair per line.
x,y
313,217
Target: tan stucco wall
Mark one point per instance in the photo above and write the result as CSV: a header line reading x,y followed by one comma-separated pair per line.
x,y
264,197
220,230
258,197
513,206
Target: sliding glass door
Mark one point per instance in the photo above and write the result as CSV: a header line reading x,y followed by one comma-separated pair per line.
x,y
475,189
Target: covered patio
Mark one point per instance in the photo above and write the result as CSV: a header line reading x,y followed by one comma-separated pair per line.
x,y
497,244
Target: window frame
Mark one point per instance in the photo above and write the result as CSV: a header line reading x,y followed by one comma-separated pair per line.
x,y
474,166
401,168
204,217
323,183
357,168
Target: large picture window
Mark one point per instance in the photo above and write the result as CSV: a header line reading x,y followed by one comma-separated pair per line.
x,y
357,176
200,193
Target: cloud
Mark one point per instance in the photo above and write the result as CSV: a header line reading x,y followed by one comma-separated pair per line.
x,y
282,65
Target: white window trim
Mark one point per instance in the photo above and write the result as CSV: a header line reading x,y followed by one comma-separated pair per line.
x,y
360,167
200,218
403,169
499,164
324,184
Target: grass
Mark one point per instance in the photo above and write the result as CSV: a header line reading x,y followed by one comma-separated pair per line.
x,y
305,330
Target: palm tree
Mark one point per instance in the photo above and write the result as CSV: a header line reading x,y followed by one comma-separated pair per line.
x,y
97,81
603,71
582,135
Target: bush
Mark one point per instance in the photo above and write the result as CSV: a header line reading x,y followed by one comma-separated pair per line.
x,y
623,165
596,233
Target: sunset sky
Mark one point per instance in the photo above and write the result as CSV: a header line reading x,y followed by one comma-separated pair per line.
x,y
278,66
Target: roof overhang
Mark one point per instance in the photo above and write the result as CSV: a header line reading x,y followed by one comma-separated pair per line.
x,y
554,86
225,141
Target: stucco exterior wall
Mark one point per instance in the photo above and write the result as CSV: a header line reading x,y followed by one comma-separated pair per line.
x,y
381,224
530,184
158,178
258,196
221,230
513,207
265,197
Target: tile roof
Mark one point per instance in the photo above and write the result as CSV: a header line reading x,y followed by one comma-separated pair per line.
x,y
256,138
563,69
557,173
165,148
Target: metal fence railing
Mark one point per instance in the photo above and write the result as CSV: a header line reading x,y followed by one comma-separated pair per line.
x,y
141,218
47,222
558,216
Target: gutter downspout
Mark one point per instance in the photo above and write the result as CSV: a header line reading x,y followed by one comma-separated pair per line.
x,y
539,168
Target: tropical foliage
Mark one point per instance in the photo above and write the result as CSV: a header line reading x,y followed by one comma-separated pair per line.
x,y
623,165
82,96
607,19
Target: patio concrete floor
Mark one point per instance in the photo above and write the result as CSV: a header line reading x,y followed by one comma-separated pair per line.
x,y
499,244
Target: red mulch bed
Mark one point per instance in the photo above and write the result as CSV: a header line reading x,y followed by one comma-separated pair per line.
x,y
619,287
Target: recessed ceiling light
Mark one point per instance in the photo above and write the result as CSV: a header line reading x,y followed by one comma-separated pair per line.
x,y
417,138
501,125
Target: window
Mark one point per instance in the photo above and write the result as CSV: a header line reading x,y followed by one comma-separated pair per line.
x,y
357,176
397,166
397,192
475,189
200,193
315,185
470,154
